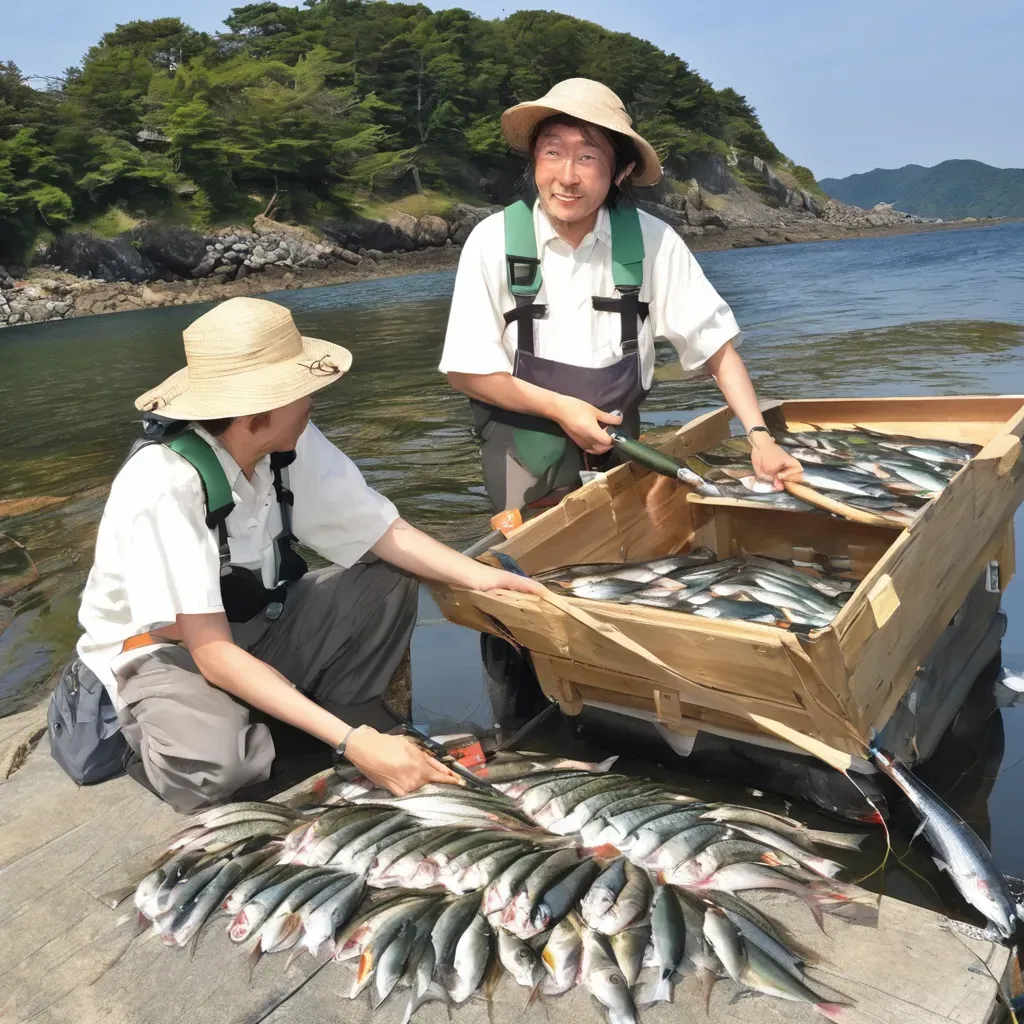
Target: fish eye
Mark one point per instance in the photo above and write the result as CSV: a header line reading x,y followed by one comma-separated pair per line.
x,y
615,979
523,954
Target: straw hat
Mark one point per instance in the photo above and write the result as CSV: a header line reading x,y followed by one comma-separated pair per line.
x,y
589,101
245,356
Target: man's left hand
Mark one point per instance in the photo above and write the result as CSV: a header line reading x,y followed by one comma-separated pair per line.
x,y
772,462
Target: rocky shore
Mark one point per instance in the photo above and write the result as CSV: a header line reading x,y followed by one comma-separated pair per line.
x,y
723,206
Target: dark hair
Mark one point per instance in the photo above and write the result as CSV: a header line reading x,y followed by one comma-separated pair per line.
x,y
623,147
218,427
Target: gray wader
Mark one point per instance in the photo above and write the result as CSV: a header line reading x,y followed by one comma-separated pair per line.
x,y
526,459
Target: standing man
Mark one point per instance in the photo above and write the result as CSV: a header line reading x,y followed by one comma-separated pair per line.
x,y
197,608
556,306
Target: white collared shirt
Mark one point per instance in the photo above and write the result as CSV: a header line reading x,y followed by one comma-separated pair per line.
x,y
156,558
684,307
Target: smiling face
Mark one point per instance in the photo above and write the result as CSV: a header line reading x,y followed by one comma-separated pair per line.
x,y
574,166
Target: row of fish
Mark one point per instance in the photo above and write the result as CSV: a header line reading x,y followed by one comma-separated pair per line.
x,y
745,587
555,872
893,474
558,873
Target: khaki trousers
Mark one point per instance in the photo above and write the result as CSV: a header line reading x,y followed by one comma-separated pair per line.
x,y
340,639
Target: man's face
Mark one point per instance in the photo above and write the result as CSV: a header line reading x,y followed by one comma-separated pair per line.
x,y
287,424
573,172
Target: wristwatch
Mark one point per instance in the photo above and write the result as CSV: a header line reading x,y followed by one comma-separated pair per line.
x,y
758,429
339,750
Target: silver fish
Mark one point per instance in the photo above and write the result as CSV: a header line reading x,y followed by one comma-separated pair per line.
x,y
959,851
668,930
605,980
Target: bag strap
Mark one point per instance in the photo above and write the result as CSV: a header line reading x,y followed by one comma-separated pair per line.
x,y
522,267
216,489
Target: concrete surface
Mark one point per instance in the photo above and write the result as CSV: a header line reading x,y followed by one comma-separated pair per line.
x,y
66,957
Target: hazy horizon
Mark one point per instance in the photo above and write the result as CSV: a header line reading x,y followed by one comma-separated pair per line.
x,y
840,90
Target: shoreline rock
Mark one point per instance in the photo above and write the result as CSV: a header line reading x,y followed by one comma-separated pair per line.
x,y
275,257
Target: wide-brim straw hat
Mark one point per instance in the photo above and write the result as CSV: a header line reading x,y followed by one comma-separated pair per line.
x,y
245,356
586,100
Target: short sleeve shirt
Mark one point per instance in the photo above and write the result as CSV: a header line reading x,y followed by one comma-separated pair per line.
x,y
685,309
156,558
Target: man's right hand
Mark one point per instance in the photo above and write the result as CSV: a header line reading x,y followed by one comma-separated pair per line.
x,y
395,762
583,423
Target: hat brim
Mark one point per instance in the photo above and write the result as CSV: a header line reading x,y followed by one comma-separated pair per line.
x,y
252,391
519,122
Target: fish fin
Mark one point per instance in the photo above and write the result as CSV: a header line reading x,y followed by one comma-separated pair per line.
x,y
917,832
535,991
942,865
141,924
814,900
605,765
654,992
707,983
116,897
294,955
833,1011
840,840
253,959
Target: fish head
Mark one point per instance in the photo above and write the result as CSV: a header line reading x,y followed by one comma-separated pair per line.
x,y
244,922
1002,913
525,967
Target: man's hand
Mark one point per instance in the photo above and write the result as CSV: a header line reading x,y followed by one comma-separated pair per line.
x,y
395,762
772,462
583,423
484,577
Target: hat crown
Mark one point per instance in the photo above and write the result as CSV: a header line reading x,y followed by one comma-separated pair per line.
x,y
586,90
238,335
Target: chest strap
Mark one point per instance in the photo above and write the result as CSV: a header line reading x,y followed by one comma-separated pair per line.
x,y
525,279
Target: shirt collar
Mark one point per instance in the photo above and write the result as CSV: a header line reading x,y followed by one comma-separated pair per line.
x,y
232,470
546,233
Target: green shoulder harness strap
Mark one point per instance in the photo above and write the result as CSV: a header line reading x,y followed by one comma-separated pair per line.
x,y
521,261
219,501
628,275
627,247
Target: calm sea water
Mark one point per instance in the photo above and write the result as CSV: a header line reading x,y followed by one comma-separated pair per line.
x,y
937,313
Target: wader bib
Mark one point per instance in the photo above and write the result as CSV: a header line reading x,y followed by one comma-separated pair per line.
x,y
526,458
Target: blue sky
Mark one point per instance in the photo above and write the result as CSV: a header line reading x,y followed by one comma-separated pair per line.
x,y
841,87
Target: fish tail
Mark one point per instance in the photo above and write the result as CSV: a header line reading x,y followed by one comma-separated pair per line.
x,y
663,990
828,868
605,765
707,983
535,991
294,955
833,1011
116,897
840,840
814,900
254,958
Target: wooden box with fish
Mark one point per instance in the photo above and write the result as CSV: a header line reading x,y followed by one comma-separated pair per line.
x,y
737,663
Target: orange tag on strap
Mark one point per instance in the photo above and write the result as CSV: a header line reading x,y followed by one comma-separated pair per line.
x,y
469,756
508,521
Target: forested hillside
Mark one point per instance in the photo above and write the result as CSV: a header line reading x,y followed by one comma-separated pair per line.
x,y
320,110
951,190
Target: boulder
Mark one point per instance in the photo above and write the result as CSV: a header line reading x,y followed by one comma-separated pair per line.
x,y
352,258
363,233
665,213
463,219
405,224
179,250
6,281
206,267
266,227
811,204
106,259
227,272
704,218
711,172
431,231
374,254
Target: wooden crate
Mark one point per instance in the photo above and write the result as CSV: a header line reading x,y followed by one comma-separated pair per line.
x,y
834,685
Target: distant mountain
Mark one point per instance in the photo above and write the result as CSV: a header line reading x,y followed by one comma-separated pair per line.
x,y
951,190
